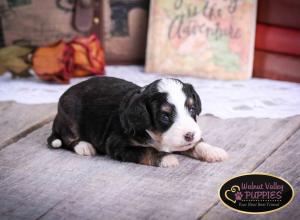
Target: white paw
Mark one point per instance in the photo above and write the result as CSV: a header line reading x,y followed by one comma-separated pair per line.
x,y
85,149
56,143
210,153
169,161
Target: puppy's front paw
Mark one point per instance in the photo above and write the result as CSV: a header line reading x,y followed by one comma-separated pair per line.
x,y
210,153
85,149
169,161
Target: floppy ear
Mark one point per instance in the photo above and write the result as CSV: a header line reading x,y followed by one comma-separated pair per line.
x,y
197,102
192,93
134,115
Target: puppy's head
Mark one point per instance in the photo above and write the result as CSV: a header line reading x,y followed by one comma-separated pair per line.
x,y
166,110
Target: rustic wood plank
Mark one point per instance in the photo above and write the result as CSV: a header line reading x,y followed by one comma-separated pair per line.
x,y
36,182
17,120
285,163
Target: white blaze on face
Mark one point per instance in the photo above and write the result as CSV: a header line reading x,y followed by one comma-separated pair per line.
x,y
173,139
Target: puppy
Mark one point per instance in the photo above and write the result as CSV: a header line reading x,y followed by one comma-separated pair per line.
x,y
106,115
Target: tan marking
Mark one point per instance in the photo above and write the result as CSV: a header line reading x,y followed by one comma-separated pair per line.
x,y
147,158
137,144
157,139
190,102
166,108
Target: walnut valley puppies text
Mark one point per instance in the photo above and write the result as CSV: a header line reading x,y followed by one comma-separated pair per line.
x,y
256,193
262,191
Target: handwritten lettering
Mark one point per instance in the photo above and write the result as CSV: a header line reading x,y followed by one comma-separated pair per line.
x,y
185,23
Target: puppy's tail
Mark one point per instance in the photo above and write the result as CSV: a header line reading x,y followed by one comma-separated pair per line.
x,y
54,141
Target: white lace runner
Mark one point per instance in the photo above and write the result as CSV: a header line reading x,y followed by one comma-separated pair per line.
x,y
225,99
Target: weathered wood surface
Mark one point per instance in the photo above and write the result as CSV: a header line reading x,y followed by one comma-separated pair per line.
x,y
17,120
285,163
39,183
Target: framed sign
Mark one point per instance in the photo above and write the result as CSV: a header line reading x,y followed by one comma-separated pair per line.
x,y
205,38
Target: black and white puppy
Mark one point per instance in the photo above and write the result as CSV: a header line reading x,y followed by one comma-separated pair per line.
x,y
106,115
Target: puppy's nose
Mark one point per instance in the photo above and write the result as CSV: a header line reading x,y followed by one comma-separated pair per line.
x,y
189,137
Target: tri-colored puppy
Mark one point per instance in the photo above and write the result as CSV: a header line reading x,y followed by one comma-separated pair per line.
x,y
106,115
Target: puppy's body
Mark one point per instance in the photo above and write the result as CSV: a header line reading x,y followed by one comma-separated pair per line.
x,y
129,123
89,111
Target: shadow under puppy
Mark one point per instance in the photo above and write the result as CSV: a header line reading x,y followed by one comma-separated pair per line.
x,y
145,125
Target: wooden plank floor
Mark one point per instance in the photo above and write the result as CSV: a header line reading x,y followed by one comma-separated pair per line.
x,y
18,120
40,183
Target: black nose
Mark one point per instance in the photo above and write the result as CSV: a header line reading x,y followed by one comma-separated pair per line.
x,y
189,137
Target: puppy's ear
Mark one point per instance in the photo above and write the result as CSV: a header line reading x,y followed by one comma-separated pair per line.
x,y
134,115
191,92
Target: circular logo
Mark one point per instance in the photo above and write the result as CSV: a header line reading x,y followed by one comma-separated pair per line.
x,y
256,193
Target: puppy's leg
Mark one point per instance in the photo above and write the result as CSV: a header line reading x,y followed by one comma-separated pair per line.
x,y
152,157
65,132
205,152
143,155
119,148
84,148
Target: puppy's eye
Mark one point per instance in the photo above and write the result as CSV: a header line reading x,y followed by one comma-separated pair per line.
x,y
192,110
165,118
